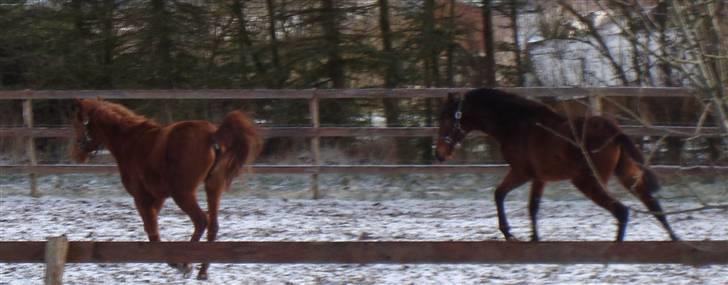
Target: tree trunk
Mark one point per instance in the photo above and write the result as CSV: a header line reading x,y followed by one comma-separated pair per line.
x,y
332,37
520,72
278,76
489,44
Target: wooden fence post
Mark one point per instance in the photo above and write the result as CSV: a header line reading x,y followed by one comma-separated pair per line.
x,y
30,146
595,104
313,106
55,257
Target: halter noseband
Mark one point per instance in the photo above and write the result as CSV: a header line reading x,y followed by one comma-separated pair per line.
x,y
85,143
457,127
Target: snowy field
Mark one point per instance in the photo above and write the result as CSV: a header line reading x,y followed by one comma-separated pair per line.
x,y
106,214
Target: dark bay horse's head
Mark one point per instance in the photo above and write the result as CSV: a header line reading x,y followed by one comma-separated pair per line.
x,y
84,132
451,132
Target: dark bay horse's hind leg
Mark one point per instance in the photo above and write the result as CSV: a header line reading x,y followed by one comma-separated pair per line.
x,y
533,204
654,206
588,185
639,189
510,182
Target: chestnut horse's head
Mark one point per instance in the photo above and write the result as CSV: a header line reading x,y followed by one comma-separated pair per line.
x,y
85,141
451,132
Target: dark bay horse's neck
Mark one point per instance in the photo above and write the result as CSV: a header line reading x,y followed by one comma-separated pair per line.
x,y
503,129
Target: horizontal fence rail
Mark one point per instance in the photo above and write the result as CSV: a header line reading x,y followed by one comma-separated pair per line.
x,y
67,132
315,132
359,252
347,169
563,92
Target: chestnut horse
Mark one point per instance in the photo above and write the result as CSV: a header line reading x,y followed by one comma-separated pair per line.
x,y
541,145
158,161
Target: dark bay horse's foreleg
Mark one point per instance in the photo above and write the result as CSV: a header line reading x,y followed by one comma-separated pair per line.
x,y
510,182
533,205
588,185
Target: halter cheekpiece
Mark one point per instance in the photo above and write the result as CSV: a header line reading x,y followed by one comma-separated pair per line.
x,y
85,143
458,115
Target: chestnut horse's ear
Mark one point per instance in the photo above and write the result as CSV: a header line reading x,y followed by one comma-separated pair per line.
x,y
77,104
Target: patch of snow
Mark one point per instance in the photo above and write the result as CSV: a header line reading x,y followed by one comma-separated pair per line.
x,y
102,216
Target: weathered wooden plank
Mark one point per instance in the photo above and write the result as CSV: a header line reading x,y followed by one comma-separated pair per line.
x,y
349,169
66,132
566,252
562,92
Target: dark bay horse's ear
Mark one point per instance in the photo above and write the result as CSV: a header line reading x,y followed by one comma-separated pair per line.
x,y
451,95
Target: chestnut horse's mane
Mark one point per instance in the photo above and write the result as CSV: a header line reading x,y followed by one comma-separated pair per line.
x,y
117,113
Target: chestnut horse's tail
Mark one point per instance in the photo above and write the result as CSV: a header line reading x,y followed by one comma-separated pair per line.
x,y
239,143
631,167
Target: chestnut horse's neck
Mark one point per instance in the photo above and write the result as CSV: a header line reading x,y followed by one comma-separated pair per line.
x,y
113,124
502,115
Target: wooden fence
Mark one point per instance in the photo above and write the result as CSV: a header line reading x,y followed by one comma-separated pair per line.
x,y
58,251
315,131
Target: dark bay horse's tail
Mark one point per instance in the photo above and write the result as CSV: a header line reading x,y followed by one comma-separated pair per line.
x,y
631,163
239,142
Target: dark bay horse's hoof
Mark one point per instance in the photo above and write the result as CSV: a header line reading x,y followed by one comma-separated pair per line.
x,y
512,238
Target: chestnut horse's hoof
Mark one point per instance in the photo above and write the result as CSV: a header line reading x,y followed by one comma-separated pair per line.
x,y
184,268
202,276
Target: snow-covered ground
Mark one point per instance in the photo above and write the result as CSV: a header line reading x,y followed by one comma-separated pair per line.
x,y
102,214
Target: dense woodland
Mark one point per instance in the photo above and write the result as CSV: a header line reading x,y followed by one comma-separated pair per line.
x,y
198,44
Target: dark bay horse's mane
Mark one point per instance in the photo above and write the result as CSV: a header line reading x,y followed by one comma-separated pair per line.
x,y
508,108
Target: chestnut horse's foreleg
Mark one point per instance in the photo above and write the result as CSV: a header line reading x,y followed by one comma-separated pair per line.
x,y
588,185
510,182
533,204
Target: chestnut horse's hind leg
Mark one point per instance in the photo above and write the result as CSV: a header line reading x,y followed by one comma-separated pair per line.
x,y
187,201
214,187
510,182
148,208
588,185
533,204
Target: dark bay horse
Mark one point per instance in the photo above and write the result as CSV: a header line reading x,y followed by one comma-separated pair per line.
x,y
157,162
541,145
